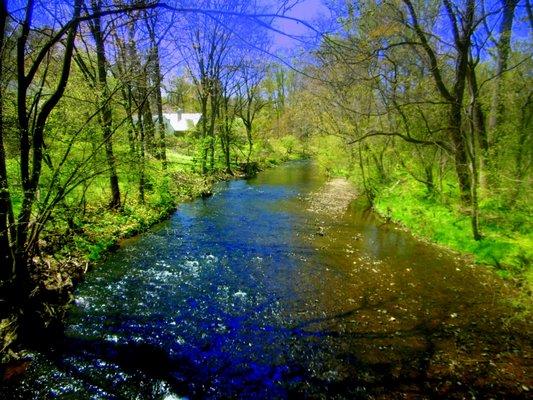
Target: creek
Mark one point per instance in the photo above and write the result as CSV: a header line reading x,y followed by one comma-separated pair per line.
x,y
281,286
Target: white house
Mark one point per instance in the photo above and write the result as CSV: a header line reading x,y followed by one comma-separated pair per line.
x,y
180,122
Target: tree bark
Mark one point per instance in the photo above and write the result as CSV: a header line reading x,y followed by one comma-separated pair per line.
x,y
249,138
503,48
156,78
141,158
462,33
478,124
6,211
459,154
203,155
105,113
24,246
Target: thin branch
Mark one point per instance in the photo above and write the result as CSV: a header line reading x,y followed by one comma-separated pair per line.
x,y
409,139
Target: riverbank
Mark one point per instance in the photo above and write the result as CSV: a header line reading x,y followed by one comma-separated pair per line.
x,y
506,246
68,254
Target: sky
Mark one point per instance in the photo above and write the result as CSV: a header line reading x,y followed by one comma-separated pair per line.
x,y
310,11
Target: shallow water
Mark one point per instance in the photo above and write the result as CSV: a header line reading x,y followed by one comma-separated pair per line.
x,y
257,293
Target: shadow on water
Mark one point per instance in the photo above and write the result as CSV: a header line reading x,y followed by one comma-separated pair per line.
x,y
254,293
210,369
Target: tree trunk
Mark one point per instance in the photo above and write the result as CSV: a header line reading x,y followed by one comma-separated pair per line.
x,y
368,190
225,140
524,145
429,181
203,155
249,137
105,109
478,124
6,211
474,212
459,153
148,124
24,245
503,48
212,123
212,152
156,72
141,157
6,260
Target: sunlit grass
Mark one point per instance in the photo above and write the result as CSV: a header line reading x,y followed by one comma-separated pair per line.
x,y
509,250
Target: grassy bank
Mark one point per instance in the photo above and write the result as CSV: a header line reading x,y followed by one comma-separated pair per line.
x,y
504,217
507,243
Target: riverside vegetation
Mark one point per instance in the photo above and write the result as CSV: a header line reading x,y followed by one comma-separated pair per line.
x,y
434,129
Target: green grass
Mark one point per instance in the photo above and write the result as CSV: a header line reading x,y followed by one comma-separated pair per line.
x,y
507,243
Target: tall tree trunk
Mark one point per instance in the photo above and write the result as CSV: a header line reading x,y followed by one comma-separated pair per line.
x,y
473,155
458,136
225,141
249,138
462,33
156,78
523,154
459,153
478,124
368,190
6,211
105,109
429,181
123,64
142,155
203,155
212,123
503,48
6,258
25,246
148,122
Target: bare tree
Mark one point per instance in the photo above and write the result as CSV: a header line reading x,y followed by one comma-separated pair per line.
x,y
250,100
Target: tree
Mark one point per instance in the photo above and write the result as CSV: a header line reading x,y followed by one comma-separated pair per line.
x,y
205,53
7,219
43,58
214,45
503,47
106,120
250,101
155,74
32,135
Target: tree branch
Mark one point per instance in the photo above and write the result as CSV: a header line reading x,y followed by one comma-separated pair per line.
x,y
406,138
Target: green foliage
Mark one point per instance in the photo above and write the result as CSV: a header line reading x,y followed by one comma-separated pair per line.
x,y
285,148
8,335
330,153
430,218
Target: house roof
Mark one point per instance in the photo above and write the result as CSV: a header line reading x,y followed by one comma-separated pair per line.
x,y
181,122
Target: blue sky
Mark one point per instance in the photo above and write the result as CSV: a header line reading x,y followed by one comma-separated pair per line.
x,y
310,11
